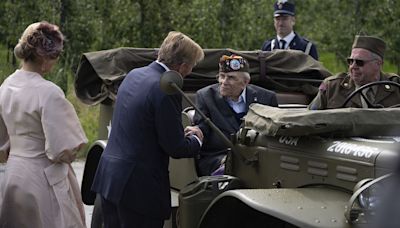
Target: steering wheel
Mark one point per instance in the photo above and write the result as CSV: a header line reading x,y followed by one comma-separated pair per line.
x,y
369,85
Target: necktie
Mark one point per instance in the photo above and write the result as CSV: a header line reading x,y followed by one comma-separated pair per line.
x,y
283,43
369,94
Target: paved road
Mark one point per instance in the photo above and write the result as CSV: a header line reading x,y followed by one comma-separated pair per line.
x,y
78,167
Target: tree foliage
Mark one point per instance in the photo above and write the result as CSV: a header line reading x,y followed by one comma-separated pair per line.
x,y
101,24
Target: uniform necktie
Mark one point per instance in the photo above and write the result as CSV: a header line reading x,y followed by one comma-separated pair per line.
x,y
283,43
369,94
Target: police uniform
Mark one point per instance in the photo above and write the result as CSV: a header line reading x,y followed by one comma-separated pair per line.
x,y
297,43
283,7
335,89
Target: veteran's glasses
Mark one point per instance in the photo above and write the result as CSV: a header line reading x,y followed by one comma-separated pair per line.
x,y
359,62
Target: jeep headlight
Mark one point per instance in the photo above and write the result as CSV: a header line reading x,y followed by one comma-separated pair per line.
x,y
371,197
367,197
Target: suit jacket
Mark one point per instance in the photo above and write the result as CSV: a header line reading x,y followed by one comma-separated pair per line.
x,y
298,43
334,90
214,106
146,130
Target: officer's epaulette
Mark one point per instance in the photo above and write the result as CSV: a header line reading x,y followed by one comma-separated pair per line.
x,y
393,77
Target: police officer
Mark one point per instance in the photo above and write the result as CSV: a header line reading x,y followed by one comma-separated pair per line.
x,y
365,66
286,38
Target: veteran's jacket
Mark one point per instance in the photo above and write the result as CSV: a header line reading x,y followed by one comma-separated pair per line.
x,y
334,90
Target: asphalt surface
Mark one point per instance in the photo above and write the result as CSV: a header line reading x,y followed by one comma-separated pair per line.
x,y
78,168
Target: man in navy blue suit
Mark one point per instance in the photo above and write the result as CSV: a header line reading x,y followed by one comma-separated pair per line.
x,y
286,38
132,177
225,103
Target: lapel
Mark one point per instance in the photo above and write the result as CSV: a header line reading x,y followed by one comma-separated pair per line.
x,y
293,42
225,109
349,87
274,44
251,97
383,90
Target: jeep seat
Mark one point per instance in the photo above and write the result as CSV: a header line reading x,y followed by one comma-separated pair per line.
x,y
292,98
183,171
185,104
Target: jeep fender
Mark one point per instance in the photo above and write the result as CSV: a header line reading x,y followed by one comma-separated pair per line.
x,y
300,207
92,161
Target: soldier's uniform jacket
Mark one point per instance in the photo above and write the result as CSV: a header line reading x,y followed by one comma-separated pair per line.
x,y
334,90
298,43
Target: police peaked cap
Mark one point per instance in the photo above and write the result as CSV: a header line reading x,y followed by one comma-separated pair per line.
x,y
284,7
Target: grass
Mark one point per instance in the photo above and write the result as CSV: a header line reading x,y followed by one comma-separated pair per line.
x,y
331,63
88,116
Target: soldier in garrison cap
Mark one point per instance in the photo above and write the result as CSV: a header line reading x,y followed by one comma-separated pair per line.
x,y
286,38
365,66
225,103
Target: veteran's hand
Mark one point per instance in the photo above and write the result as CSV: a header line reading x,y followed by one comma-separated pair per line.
x,y
194,130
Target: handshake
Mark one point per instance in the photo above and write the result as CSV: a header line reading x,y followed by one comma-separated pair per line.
x,y
194,130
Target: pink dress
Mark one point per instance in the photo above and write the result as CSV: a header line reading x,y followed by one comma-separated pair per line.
x,y
40,131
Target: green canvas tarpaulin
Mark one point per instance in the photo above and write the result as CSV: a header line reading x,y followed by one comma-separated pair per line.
x,y
100,73
344,122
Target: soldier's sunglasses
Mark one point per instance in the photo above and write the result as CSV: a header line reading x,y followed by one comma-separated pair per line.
x,y
359,62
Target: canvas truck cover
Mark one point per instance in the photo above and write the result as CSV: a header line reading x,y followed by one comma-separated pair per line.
x,y
344,122
100,73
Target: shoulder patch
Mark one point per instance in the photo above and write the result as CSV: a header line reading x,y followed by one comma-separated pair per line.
x,y
322,87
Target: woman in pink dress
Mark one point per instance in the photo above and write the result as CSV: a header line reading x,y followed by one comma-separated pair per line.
x,y
40,135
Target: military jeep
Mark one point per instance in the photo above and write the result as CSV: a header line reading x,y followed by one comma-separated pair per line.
x,y
288,167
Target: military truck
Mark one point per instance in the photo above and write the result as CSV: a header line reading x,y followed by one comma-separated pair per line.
x,y
288,167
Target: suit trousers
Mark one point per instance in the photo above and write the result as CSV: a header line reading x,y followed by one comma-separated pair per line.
x,y
118,216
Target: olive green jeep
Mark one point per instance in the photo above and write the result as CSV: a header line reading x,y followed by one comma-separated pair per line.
x,y
288,166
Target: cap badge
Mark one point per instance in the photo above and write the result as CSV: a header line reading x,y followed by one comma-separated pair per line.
x,y
234,64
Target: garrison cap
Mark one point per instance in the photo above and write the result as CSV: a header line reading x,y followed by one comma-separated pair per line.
x,y
373,44
233,63
283,7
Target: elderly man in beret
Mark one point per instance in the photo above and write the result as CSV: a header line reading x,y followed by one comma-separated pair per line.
x,y
225,103
365,66
286,38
